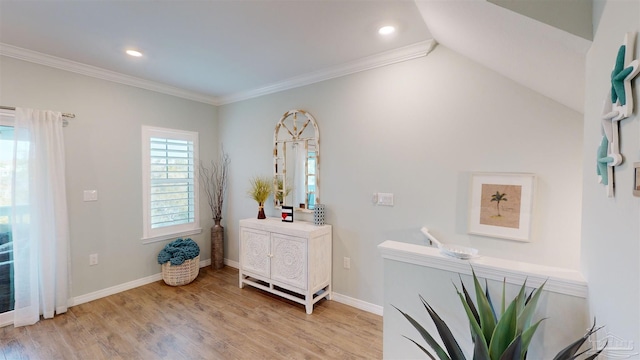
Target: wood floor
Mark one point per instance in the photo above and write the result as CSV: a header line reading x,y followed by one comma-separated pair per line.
x,y
211,318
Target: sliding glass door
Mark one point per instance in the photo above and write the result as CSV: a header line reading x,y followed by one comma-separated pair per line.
x,y
6,214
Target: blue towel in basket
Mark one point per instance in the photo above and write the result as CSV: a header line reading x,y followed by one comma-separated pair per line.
x,y
178,251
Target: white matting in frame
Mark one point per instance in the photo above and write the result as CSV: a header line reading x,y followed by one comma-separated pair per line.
x,y
501,205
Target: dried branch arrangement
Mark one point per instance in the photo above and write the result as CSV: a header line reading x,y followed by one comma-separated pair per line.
x,y
214,182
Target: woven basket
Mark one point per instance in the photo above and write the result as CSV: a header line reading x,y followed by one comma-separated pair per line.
x,y
176,275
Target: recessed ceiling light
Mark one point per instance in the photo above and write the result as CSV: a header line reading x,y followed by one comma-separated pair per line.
x,y
134,53
386,30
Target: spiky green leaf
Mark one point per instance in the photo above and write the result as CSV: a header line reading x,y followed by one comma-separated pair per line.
x,y
468,299
493,309
505,332
446,336
525,317
481,348
527,335
521,297
595,355
576,356
529,298
487,321
442,355
421,348
472,306
513,351
572,349
480,351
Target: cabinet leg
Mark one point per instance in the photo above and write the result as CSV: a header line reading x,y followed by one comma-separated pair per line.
x,y
241,285
309,308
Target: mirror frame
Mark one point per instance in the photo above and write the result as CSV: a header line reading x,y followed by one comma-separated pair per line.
x,y
294,135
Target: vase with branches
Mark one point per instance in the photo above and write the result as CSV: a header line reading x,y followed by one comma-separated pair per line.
x,y
214,182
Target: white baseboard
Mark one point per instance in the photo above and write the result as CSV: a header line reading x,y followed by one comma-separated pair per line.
x,y
122,287
114,290
6,318
356,303
233,264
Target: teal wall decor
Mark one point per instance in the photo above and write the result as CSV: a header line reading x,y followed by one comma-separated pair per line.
x,y
618,105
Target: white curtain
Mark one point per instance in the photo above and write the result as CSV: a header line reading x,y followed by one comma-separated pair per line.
x,y
39,217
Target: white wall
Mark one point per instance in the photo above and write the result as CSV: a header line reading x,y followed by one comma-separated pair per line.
x,y
611,227
417,129
103,152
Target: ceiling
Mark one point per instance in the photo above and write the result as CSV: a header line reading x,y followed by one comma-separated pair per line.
x,y
221,50
224,51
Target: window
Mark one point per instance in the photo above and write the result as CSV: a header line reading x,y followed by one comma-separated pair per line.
x,y
170,183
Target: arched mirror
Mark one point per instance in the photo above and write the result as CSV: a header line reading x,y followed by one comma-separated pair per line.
x,y
296,161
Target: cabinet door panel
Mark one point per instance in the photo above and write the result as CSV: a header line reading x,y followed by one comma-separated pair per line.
x,y
289,261
254,254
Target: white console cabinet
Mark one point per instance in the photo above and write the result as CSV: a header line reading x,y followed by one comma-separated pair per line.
x,y
292,260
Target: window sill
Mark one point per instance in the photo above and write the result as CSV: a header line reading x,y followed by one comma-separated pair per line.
x,y
157,238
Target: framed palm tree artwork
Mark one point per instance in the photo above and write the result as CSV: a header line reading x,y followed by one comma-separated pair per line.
x,y
501,205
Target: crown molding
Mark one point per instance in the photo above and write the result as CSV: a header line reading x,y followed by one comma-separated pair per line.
x,y
371,62
96,72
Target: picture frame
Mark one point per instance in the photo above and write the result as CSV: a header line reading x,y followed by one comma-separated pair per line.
x,y
287,213
501,205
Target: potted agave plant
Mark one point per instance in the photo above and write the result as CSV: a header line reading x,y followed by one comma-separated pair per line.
x,y
503,335
261,187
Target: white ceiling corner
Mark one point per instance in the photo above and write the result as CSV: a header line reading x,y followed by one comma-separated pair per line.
x,y
371,62
545,59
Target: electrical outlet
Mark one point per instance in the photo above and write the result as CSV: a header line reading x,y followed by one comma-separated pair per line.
x,y
93,259
346,262
90,195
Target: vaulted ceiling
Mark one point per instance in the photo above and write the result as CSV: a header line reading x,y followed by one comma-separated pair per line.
x,y
224,51
541,53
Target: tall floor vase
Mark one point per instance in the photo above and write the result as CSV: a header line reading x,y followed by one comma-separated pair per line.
x,y
217,245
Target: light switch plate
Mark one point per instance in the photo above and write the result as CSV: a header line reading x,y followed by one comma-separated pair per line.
x,y
385,199
90,195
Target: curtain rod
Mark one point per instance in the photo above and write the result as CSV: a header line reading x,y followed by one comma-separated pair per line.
x,y
67,115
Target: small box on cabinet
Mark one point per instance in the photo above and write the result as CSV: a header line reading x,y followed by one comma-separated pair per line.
x,y
287,213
